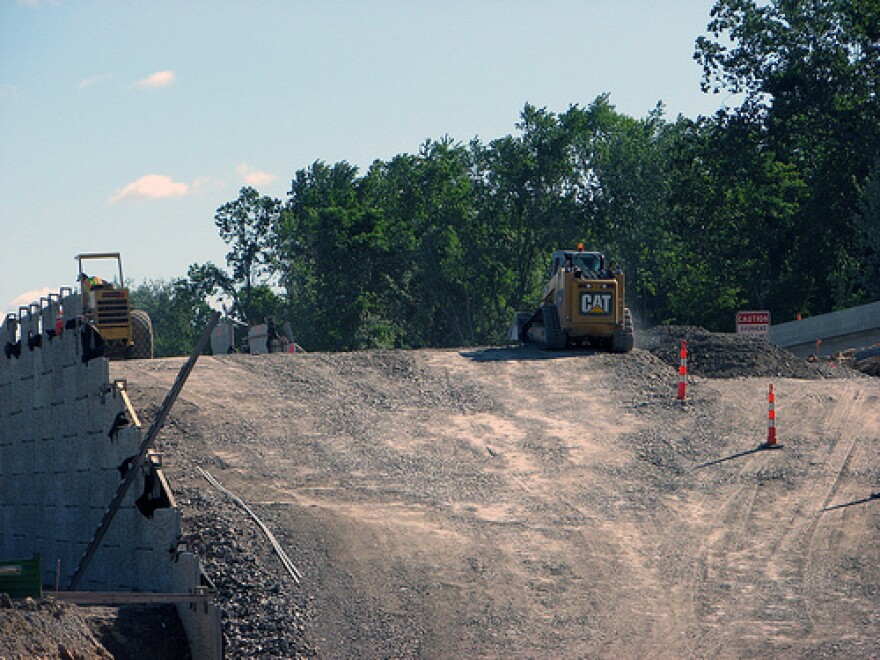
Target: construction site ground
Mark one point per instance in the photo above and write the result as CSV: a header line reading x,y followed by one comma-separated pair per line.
x,y
515,502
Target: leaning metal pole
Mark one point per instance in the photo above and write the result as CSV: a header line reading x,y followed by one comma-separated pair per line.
x,y
140,457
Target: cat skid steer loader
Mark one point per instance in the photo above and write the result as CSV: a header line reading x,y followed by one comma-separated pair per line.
x,y
121,333
582,305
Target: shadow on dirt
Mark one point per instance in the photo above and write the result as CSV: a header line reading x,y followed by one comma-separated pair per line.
x,y
755,450
512,353
870,498
142,632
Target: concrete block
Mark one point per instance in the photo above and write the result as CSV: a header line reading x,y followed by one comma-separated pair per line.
x,y
202,623
68,526
24,392
56,381
24,360
12,403
86,525
43,462
28,426
66,443
70,348
87,455
69,423
105,483
163,529
26,521
100,413
5,371
146,569
57,345
18,465
849,328
126,444
97,375
71,307
57,494
42,418
41,384
49,420
12,428
8,333
92,490
6,514
71,377
124,528
30,327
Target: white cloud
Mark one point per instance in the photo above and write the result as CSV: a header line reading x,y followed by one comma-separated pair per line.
x,y
156,80
254,177
94,80
28,297
151,186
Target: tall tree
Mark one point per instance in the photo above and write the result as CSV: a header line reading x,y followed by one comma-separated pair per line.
x,y
247,226
809,72
868,226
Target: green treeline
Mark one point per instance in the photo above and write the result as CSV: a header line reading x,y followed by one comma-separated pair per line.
x,y
771,205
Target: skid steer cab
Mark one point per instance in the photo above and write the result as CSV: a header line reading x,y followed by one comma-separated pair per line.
x,y
583,304
119,332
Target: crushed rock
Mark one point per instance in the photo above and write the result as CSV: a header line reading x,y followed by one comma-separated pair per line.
x,y
46,629
728,355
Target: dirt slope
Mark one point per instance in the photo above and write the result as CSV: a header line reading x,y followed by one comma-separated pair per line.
x,y
512,502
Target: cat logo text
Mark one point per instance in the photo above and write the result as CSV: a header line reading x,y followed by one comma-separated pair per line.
x,y
596,304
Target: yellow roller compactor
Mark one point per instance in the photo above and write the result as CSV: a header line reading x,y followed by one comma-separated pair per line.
x,y
121,333
582,305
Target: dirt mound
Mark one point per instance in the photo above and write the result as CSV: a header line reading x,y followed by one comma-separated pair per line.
x,y
728,355
48,628
869,365
516,502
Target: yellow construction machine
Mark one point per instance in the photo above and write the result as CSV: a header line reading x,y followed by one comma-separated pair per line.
x,y
123,332
582,305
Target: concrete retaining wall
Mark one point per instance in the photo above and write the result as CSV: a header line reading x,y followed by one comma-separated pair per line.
x,y
60,460
856,327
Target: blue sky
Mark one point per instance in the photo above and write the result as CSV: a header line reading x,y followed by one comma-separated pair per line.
x,y
125,124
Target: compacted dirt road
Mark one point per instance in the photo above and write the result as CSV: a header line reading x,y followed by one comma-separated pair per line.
x,y
511,502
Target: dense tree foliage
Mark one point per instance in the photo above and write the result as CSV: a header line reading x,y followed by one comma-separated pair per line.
x,y
775,204
810,72
178,312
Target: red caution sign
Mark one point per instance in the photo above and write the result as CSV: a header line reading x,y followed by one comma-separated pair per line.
x,y
753,323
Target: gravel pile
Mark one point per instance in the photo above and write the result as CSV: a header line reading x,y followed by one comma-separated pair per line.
x,y
46,629
728,355
870,366
260,613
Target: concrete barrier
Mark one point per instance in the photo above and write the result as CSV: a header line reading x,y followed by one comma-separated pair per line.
x,y
856,327
60,468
